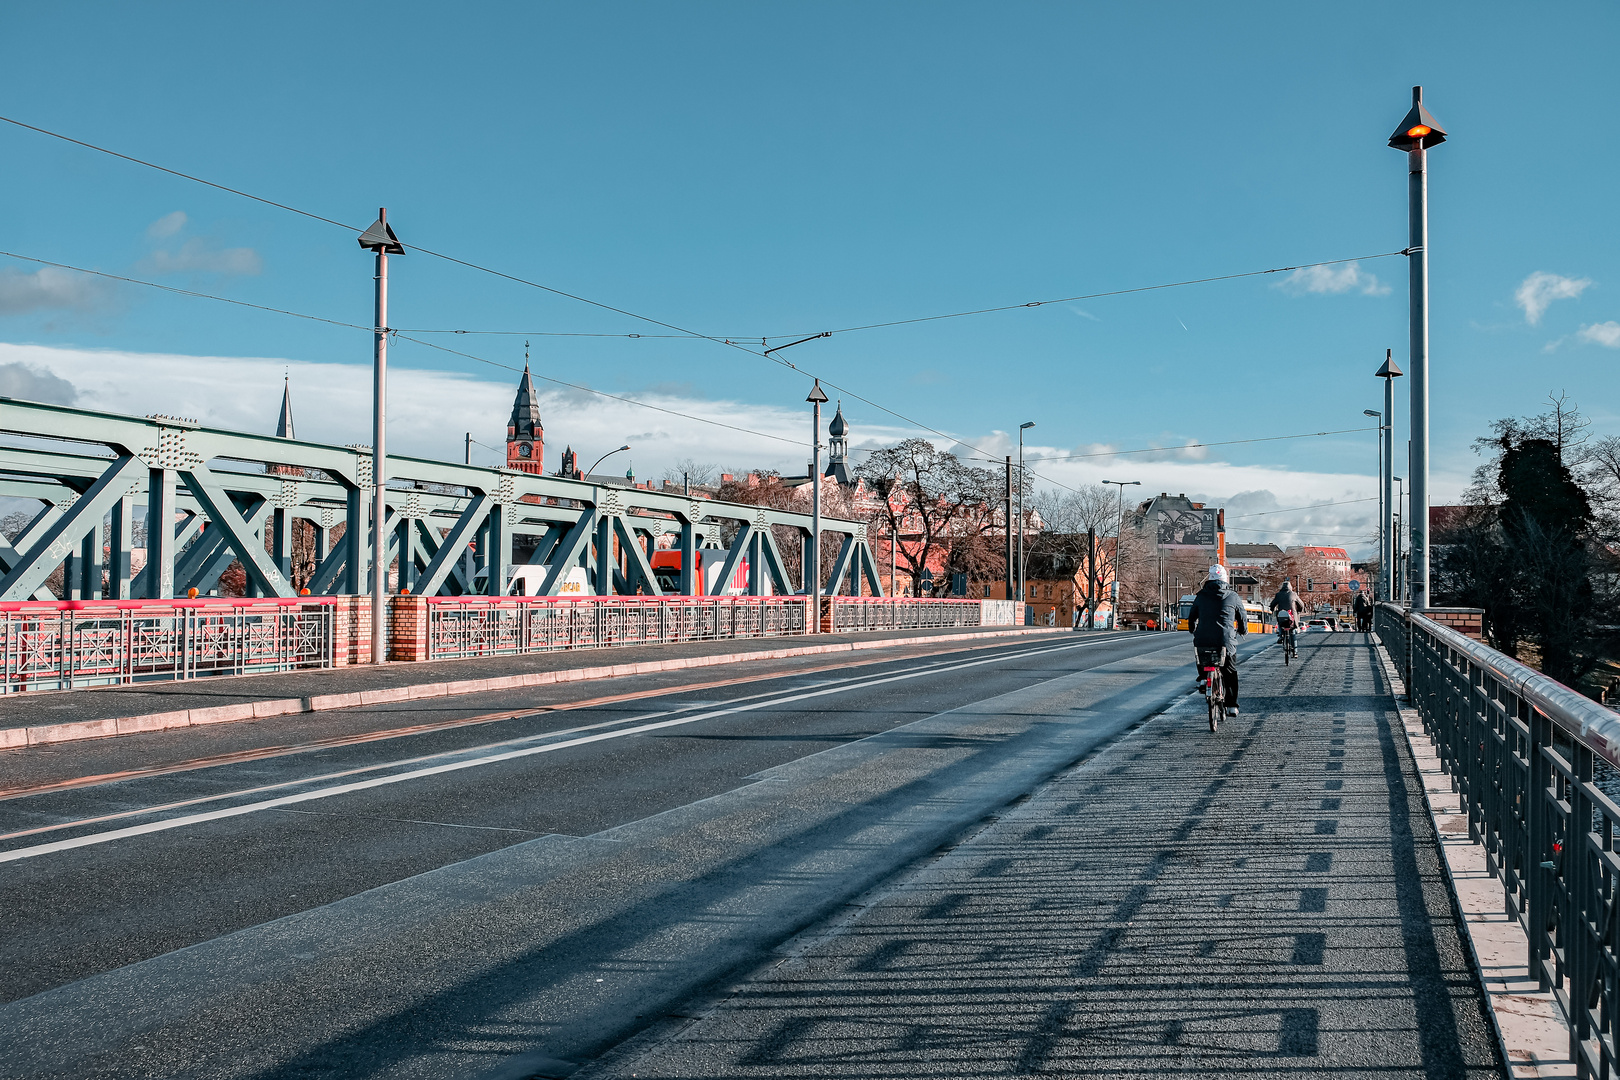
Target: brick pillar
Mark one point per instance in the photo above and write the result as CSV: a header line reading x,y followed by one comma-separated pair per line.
x,y
351,631
407,628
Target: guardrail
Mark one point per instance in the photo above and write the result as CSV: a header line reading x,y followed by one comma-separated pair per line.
x,y
1522,751
59,645
460,627
851,613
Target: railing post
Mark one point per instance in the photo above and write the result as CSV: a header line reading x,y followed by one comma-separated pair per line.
x,y
1539,880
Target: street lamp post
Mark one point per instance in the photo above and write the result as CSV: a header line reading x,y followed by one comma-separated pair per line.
x,y
1378,443
1119,540
380,239
1022,479
604,457
812,563
1415,134
1389,372
1397,590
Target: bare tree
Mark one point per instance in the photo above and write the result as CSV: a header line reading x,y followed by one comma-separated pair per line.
x,y
949,506
692,472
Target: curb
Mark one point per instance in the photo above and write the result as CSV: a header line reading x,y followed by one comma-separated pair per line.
x,y
41,734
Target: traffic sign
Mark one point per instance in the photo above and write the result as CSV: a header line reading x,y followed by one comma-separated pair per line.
x,y
1355,584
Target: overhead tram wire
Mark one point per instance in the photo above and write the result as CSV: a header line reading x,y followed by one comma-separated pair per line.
x,y
1297,509
731,343
397,334
1198,446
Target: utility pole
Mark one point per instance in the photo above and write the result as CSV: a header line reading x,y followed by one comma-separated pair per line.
x,y
1119,542
468,458
812,562
1416,133
1008,518
1091,578
1386,518
380,238
1022,480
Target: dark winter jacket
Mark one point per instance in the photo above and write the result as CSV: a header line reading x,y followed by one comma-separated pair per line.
x,y
1288,600
1218,617
1362,604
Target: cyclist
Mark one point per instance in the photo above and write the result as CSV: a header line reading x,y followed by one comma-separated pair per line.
x,y
1217,620
1289,609
1364,613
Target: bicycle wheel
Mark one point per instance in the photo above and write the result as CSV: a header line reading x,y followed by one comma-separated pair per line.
x,y
1216,695
1288,650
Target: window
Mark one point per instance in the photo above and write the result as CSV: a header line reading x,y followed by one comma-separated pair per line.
x,y
987,591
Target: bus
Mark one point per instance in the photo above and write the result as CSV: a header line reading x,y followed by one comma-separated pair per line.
x,y
1261,620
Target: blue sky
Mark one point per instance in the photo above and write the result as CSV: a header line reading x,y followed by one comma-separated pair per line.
x,y
749,169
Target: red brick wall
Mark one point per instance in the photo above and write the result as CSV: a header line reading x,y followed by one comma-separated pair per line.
x,y
1468,621
407,628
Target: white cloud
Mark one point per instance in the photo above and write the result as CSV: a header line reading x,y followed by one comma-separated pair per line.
x,y
50,289
1348,277
1603,333
198,256
1536,292
429,411
167,225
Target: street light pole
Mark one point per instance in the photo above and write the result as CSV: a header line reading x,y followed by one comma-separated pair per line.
x,y
604,457
1416,133
1389,372
380,238
812,562
1022,479
1119,539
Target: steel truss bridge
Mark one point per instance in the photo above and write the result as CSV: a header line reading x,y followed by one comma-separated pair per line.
x,y
212,497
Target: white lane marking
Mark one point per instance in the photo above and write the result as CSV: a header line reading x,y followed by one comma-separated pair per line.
x,y
462,752
490,759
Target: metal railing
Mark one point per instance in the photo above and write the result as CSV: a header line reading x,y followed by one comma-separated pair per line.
x,y
461,627
48,645
1522,751
850,613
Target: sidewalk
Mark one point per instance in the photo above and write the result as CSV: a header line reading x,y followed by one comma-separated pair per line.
x,y
1267,900
99,712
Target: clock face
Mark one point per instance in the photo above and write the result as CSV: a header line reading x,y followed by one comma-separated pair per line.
x,y
524,450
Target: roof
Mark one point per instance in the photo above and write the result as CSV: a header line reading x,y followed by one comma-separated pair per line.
x,y
839,426
1236,552
1325,553
525,419
284,425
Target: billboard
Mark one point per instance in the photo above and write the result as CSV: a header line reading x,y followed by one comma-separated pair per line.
x,y
1187,528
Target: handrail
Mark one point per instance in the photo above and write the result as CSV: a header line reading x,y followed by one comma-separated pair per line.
x,y
1578,716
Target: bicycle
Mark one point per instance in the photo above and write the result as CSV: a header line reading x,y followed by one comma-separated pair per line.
x,y
1209,667
1285,634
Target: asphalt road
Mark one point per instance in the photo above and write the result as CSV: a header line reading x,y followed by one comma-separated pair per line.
x,y
503,884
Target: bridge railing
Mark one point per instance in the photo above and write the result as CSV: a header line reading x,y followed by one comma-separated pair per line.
x,y
852,613
1523,752
461,627
46,645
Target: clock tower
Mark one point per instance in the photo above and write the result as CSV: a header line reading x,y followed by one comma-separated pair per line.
x,y
525,437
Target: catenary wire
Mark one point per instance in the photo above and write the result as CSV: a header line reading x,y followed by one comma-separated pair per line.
x,y
671,326
1297,509
185,292
1195,446
396,334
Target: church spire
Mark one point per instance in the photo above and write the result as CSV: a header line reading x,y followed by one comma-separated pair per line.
x,y
284,425
525,435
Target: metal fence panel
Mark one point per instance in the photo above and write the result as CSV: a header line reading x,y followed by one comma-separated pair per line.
x,y
1523,751
59,646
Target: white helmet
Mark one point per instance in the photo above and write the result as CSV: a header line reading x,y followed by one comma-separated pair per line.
x,y
1218,573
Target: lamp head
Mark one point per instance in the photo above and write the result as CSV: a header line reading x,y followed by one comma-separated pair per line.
x,y
1023,427
1417,130
1374,415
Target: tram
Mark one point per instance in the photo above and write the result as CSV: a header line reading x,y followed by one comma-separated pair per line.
x,y
1261,620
